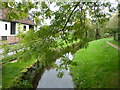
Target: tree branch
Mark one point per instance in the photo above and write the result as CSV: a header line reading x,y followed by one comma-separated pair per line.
x,y
70,16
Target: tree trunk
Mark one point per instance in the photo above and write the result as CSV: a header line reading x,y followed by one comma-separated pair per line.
x,y
96,34
119,36
114,35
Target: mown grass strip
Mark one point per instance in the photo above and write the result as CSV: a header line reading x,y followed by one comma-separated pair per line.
x,y
97,66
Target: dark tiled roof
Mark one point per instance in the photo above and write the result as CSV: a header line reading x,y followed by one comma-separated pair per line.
x,y
4,11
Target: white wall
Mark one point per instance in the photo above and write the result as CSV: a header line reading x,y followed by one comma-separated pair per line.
x,y
19,27
4,32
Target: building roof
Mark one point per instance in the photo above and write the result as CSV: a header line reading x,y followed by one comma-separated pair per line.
x,y
4,11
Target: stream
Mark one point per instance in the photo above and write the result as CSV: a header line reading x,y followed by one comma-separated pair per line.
x,y
49,77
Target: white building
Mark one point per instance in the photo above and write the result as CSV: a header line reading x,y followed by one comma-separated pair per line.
x,y
9,29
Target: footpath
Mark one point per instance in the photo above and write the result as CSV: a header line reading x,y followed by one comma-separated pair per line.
x,y
113,45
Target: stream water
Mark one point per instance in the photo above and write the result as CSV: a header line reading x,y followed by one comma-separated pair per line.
x,y
49,77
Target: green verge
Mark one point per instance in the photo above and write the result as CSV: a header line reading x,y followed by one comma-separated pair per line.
x,y
114,42
11,70
97,66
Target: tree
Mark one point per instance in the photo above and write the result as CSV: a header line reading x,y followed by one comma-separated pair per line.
x,y
113,25
69,31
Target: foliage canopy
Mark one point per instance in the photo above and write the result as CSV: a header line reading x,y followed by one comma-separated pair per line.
x,y
71,26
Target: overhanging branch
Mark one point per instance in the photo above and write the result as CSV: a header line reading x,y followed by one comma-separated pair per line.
x,y
70,16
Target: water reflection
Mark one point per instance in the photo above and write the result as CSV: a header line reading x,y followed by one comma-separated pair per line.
x,y
49,78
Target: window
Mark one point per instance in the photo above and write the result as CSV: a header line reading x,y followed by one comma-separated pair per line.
x,y
4,38
13,28
5,26
24,27
31,27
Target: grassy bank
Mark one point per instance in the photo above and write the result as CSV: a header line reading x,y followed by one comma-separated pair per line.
x,y
97,66
114,42
12,70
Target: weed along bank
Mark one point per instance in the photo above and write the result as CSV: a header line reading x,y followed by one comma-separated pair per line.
x,y
25,77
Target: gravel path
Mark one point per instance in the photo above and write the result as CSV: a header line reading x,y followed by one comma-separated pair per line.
x,y
113,45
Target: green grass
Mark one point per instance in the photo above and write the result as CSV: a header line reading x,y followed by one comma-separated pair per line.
x,y
0,73
114,42
8,58
11,70
97,66
0,79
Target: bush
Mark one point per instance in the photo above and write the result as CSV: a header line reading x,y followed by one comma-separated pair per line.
x,y
24,84
106,35
116,37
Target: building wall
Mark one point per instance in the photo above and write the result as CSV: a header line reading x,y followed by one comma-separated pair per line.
x,y
11,38
4,32
19,27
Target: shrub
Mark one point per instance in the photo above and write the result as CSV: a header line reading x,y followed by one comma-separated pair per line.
x,y
24,84
106,35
